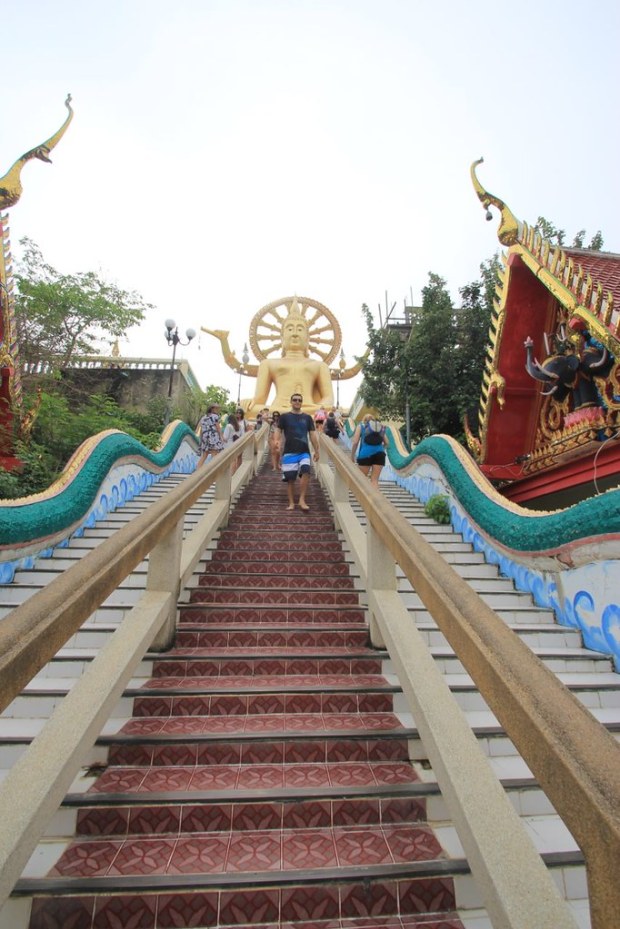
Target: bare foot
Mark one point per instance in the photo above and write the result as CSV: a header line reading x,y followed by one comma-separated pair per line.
x,y
304,507
291,507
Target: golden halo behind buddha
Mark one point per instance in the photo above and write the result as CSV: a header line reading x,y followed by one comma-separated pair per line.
x,y
324,334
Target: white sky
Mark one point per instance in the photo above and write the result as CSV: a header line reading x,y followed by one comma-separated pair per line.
x,y
225,154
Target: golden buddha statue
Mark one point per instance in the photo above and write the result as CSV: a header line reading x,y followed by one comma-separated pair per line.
x,y
307,329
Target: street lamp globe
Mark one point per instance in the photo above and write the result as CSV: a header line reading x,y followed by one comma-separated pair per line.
x,y
172,337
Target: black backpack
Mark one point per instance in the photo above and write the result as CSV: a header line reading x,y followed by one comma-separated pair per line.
x,y
331,427
373,432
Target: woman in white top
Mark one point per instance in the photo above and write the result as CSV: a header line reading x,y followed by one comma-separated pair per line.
x,y
233,430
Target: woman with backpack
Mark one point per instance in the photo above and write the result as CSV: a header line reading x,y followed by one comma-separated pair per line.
x,y
372,441
331,427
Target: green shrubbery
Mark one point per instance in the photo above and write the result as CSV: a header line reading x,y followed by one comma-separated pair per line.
x,y
65,419
438,508
60,427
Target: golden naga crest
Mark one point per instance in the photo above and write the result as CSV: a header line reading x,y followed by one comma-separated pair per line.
x,y
10,184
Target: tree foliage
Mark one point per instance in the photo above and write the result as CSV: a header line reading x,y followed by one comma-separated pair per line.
x,y
60,315
558,236
65,419
439,366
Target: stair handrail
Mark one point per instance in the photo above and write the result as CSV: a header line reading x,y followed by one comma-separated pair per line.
x,y
575,760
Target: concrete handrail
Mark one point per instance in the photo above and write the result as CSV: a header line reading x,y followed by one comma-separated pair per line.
x,y
574,758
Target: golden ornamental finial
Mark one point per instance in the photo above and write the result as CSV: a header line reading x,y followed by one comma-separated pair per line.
x,y
10,184
294,311
508,231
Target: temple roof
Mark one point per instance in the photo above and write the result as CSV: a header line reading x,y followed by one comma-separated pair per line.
x,y
539,285
602,266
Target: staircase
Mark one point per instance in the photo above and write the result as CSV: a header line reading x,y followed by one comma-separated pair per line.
x,y
266,770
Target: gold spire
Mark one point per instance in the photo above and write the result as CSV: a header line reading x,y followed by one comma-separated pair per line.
x,y
508,231
10,184
295,312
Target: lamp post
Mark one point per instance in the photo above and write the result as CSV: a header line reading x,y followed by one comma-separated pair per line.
x,y
341,365
172,337
244,358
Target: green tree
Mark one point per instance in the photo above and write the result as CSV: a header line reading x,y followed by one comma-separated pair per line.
x,y
419,372
431,364
558,236
60,315
472,335
383,384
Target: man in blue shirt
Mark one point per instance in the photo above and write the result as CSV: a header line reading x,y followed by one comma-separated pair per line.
x,y
296,432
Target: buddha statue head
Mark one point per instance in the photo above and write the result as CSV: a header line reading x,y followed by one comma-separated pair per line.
x,y
295,331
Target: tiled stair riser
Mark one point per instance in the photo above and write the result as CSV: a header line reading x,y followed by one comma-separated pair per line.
x,y
409,903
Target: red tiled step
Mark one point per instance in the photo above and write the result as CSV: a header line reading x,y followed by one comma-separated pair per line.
x,y
291,724
273,570
205,751
264,683
266,703
213,777
227,610
243,851
295,596
267,555
401,903
286,534
267,665
302,581
282,521
306,638
231,543
191,817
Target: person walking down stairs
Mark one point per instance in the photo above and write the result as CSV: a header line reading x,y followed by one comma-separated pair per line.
x,y
298,432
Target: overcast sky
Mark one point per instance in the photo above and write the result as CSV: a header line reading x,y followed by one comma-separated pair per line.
x,y
225,154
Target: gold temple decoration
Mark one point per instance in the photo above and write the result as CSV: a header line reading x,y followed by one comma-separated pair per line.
x,y
509,227
10,184
10,192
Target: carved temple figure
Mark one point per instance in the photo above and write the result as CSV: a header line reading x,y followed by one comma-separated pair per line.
x,y
573,362
304,337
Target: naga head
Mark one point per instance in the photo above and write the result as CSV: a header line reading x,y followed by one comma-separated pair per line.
x,y
42,152
508,231
10,184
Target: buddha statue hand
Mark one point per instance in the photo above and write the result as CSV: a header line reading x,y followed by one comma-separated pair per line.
x,y
229,356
